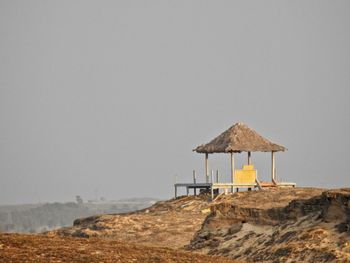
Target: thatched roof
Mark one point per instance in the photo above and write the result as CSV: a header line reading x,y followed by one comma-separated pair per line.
x,y
239,138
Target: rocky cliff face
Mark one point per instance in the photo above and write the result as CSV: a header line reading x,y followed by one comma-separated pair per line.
x,y
265,226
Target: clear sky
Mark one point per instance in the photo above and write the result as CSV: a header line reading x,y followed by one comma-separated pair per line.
x,y
109,98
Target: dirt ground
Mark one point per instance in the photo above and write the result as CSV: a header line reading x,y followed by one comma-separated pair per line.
x,y
170,223
38,248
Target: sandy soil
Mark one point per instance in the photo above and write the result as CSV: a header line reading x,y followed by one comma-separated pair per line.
x,y
169,224
38,248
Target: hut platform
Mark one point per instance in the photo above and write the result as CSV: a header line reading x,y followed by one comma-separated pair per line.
x,y
212,187
277,184
215,187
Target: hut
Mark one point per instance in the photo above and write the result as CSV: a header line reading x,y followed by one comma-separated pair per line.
x,y
237,139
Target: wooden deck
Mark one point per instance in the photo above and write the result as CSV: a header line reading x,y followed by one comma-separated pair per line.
x,y
210,186
216,186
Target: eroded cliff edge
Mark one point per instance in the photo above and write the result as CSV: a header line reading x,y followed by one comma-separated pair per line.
x,y
257,227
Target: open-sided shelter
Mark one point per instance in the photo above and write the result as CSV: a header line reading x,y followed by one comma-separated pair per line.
x,y
240,138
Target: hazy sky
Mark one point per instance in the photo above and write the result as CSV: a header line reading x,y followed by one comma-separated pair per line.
x,y
109,98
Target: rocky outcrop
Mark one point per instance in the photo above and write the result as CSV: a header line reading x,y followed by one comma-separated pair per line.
x,y
313,229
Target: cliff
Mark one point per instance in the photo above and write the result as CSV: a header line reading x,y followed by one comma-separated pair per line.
x,y
266,227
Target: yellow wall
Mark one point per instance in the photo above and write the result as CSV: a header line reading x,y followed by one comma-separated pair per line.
x,y
245,176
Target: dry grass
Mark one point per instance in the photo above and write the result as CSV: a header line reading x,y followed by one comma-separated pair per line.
x,y
38,248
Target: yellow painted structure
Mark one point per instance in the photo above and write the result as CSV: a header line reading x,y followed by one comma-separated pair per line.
x,y
245,176
248,167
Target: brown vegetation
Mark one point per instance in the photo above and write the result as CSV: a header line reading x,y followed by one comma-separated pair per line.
x,y
166,224
38,248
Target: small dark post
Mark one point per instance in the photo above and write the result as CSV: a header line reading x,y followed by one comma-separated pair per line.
x,y
206,168
194,182
217,176
249,158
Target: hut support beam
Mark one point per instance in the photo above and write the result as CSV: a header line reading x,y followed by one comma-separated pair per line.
x,y
249,158
206,168
273,167
232,170
194,182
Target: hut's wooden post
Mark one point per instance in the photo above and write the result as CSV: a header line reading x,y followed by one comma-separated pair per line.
x,y
232,170
217,176
249,158
194,182
206,167
273,167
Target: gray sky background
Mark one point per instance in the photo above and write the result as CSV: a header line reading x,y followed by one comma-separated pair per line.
x,y
110,97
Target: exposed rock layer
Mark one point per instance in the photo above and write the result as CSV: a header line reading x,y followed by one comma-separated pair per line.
x,y
306,230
